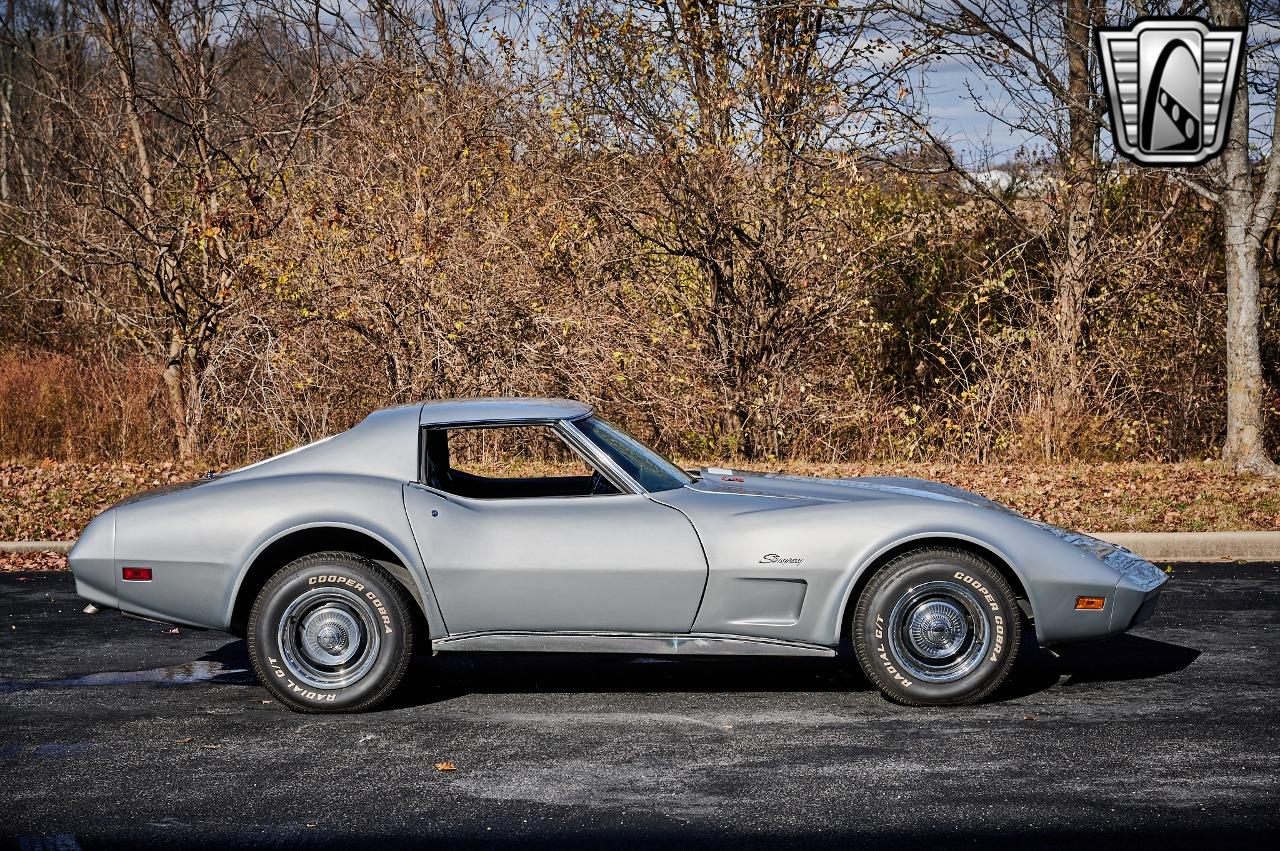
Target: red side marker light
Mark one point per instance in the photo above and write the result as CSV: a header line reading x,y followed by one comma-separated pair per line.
x,y
1091,603
135,574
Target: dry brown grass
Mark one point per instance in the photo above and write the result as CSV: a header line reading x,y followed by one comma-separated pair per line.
x,y
75,407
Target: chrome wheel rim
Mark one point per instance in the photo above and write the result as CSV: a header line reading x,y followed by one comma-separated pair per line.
x,y
939,632
328,638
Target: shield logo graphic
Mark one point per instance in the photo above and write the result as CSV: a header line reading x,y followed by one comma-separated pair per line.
x,y
1170,84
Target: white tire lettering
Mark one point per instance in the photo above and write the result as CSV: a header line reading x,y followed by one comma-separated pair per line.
x,y
979,587
888,666
998,648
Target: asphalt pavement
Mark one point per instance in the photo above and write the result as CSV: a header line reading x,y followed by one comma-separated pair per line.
x,y
119,734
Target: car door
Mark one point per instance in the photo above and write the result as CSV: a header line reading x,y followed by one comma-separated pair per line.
x,y
616,562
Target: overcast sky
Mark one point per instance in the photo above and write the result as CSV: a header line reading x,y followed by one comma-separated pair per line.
x,y
976,137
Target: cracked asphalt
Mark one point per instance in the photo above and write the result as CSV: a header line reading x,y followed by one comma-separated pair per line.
x,y
117,734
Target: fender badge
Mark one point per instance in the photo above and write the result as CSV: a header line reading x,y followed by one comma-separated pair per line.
x,y
774,558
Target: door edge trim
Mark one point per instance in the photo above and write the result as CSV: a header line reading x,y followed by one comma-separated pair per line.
x,y
637,643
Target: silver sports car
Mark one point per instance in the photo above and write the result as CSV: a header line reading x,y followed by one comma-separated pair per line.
x,y
532,524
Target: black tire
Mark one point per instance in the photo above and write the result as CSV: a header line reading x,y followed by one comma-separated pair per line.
x,y
331,632
967,628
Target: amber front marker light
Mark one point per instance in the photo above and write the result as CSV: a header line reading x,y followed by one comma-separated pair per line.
x,y
1094,603
143,574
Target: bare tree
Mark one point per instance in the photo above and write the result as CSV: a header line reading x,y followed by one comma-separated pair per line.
x,y
734,131
1037,56
728,221
161,132
1247,190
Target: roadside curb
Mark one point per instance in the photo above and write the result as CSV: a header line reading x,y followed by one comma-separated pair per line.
x,y
1153,546
35,546
1198,546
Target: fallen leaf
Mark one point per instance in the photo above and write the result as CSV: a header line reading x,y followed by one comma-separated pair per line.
x,y
446,766
173,631
1029,718
211,747
188,740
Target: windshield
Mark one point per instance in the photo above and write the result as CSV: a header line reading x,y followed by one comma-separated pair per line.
x,y
650,470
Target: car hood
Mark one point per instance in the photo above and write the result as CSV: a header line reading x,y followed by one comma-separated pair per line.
x,y
855,489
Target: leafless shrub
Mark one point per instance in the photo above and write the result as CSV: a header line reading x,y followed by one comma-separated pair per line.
x,y
228,229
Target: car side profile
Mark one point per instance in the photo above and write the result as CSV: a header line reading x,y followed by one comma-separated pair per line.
x,y
534,525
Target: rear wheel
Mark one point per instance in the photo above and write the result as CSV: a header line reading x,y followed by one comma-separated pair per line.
x,y
937,626
331,632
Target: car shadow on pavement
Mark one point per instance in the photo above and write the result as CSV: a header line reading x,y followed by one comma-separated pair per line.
x,y
1123,657
452,675
432,680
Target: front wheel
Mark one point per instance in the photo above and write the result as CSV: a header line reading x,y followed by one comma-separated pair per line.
x,y
331,632
937,626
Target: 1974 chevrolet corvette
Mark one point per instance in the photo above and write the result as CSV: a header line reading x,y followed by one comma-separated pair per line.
x,y
338,559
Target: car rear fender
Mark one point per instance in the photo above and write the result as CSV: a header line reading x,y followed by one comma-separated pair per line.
x,y
288,544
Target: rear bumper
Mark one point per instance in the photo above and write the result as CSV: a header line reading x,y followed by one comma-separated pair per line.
x,y
93,563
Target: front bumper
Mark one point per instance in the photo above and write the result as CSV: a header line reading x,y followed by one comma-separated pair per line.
x,y
1132,599
1143,613
1137,589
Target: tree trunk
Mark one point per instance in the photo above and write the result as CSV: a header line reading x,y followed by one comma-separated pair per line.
x,y
1071,289
178,379
1244,449
1072,273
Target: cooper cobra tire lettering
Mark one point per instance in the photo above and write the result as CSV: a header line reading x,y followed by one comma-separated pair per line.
x,y
985,639
386,608
336,580
377,604
991,601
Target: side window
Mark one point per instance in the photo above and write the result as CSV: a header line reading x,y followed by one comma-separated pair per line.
x,y
509,462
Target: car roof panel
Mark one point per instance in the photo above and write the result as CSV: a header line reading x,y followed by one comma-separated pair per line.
x,y
501,410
